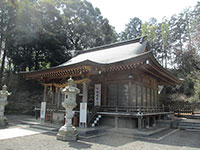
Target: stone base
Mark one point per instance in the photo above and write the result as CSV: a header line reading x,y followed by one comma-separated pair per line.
x,y
67,134
3,122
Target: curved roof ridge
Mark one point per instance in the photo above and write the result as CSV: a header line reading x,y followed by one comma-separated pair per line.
x,y
120,43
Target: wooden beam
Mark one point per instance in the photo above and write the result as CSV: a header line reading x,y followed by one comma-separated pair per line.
x,y
58,72
154,74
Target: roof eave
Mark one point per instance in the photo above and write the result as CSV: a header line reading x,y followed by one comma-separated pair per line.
x,y
168,74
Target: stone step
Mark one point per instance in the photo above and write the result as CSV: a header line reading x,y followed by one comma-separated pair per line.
x,y
193,130
189,124
189,127
43,127
136,132
92,131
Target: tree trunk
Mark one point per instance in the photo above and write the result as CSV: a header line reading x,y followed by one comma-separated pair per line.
x,y
1,33
9,67
163,47
0,44
165,57
36,61
2,65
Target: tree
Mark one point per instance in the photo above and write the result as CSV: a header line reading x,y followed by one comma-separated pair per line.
x,y
152,30
195,27
133,29
46,30
84,26
7,23
165,37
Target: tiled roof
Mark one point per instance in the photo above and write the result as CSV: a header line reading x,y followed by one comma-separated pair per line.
x,y
111,53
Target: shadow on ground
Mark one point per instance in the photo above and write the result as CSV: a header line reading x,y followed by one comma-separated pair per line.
x,y
110,140
180,138
79,145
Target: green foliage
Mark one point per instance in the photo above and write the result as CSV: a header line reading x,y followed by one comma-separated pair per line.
x,y
26,94
84,26
188,85
133,29
196,91
7,23
45,31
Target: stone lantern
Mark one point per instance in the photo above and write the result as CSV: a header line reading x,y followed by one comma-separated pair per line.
x,y
3,102
69,132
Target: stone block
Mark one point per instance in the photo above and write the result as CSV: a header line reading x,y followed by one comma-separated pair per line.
x,y
67,134
3,122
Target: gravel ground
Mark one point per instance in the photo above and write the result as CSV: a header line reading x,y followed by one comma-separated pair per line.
x,y
180,140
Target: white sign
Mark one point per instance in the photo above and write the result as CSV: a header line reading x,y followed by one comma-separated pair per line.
x,y
97,95
43,110
83,112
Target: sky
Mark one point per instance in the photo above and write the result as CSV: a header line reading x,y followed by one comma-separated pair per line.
x,y
119,12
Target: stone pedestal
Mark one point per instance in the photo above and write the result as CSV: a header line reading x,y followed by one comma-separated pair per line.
x,y
3,102
69,132
3,119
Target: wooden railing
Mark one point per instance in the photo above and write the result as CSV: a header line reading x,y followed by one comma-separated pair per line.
x,y
92,114
144,109
49,108
182,107
131,109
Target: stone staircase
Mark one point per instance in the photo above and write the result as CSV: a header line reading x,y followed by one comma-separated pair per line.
x,y
96,120
189,124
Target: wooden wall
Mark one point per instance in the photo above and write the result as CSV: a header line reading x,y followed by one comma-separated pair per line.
x,y
139,79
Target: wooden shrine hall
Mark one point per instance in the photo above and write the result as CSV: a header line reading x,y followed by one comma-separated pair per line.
x,y
120,86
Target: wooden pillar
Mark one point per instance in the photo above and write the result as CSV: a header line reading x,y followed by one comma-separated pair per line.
x,y
139,123
148,122
53,95
158,101
142,96
58,97
85,92
136,86
104,95
154,121
45,94
116,121
143,123
130,93
150,102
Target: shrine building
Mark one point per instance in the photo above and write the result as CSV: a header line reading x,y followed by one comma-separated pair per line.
x,y
120,84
